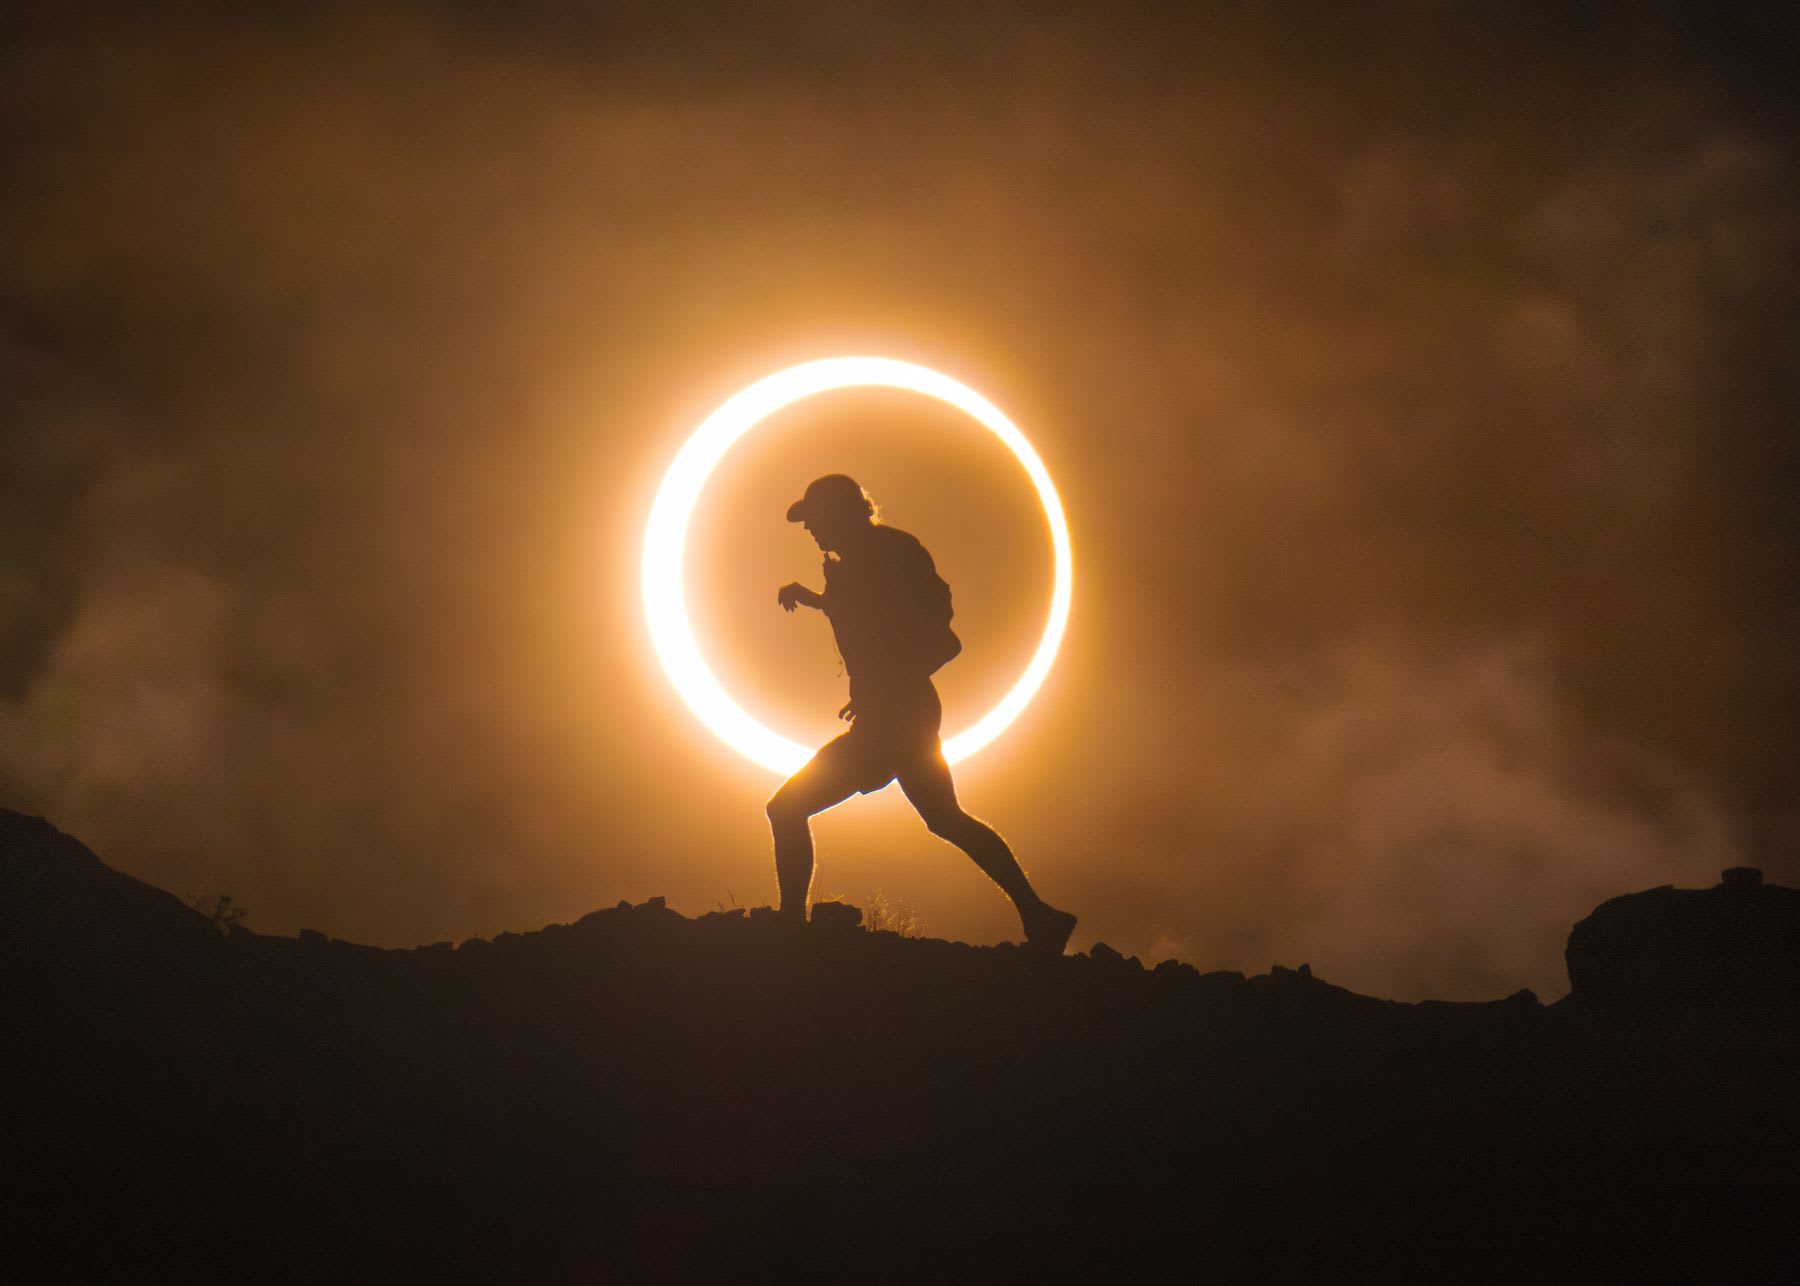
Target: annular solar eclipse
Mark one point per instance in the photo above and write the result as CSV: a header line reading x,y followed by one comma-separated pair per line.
x,y
665,541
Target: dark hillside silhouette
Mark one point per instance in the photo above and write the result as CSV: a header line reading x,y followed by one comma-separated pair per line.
x,y
642,1096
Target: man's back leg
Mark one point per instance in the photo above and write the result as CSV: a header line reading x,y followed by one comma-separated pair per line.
x,y
932,790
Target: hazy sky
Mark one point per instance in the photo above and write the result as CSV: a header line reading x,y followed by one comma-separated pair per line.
x,y
1420,384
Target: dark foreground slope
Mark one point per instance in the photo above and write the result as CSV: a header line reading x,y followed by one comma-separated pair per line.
x,y
639,1096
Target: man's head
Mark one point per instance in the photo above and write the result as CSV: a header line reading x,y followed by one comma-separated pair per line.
x,y
833,510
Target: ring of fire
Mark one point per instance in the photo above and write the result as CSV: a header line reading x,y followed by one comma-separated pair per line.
x,y
665,543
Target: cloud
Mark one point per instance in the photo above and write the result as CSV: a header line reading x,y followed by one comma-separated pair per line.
x,y
1428,821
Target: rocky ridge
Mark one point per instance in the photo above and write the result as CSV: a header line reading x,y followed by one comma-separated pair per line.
x,y
644,1096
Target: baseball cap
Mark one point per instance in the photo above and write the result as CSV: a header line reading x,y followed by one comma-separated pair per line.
x,y
833,491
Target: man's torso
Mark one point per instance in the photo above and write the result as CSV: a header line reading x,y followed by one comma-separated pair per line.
x,y
881,600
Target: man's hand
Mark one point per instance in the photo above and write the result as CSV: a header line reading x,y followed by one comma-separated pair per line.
x,y
797,595
848,713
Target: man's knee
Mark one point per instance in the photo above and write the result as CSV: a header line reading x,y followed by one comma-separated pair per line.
x,y
949,823
786,811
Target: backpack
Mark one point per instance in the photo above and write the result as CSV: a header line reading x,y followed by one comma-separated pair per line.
x,y
937,642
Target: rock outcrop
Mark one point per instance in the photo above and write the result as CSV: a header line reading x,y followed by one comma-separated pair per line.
x,y
1737,942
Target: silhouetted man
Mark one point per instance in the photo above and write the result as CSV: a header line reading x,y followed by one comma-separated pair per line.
x,y
890,613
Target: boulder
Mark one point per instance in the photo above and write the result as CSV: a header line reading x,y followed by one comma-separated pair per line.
x,y
1739,940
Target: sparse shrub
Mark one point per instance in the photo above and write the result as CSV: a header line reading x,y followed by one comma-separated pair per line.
x,y
892,915
219,909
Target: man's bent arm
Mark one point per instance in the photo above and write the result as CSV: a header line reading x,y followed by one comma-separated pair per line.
x,y
795,595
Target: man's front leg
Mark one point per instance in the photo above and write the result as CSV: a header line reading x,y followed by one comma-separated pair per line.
x,y
826,780
793,866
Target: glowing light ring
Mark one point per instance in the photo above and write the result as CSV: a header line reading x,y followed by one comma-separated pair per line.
x,y
665,543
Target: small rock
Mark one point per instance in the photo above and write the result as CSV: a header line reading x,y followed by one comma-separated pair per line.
x,y
1105,954
313,936
836,915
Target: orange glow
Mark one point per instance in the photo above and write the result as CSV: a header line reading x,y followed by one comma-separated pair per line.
x,y
665,540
